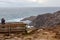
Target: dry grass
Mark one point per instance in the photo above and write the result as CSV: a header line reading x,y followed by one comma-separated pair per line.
x,y
50,33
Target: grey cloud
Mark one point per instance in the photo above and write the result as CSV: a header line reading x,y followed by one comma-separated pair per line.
x,y
50,3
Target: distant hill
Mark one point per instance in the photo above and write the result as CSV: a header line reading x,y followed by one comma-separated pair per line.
x,y
45,20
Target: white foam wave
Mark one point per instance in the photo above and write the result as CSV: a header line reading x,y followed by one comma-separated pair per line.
x,y
18,20
15,20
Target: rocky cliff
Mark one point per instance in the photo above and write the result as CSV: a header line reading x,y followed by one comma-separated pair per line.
x,y
48,19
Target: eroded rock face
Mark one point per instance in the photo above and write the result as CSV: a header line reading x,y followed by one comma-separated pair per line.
x,y
47,19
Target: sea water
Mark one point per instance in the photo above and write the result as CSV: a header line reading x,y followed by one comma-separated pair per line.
x,y
16,14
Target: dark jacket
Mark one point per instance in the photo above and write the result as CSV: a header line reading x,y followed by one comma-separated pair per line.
x,y
2,21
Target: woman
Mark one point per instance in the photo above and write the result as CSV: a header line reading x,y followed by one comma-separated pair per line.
x,y
2,21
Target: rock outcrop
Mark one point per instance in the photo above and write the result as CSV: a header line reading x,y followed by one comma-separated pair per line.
x,y
29,18
48,19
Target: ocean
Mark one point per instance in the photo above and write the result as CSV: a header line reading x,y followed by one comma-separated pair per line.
x,y
14,14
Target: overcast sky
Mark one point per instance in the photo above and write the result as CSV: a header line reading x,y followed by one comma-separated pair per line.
x,y
29,3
